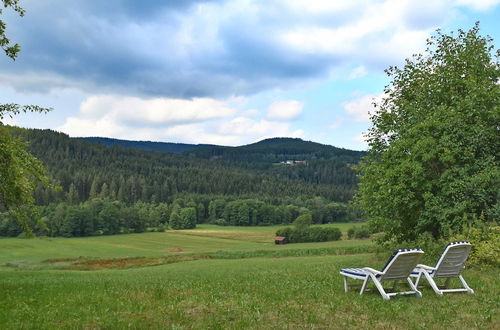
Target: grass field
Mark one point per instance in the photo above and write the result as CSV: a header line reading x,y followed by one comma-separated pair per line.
x,y
224,277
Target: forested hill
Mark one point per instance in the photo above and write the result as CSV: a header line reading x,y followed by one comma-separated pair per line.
x,y
290,158
277,150
147,145
85,170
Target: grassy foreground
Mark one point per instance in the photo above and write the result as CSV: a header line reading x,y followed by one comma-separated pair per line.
x,y
297,292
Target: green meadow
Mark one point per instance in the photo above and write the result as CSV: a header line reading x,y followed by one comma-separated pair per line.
x,y
216,277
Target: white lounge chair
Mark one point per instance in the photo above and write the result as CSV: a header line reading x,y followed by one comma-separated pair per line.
x,y
398,267
450,265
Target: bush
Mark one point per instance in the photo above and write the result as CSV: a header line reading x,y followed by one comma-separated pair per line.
x,y
485,242
303,221
485,245
284,232
358,232
220,222
310,234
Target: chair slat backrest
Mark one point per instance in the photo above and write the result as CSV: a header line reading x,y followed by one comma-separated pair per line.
x,y
452,261
401,264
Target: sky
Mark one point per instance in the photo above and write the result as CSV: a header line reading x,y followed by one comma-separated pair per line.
x,y
221,72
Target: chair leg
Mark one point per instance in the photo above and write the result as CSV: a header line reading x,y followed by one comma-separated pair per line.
x,y
346,286
414,288
469,290
380,288
418,279
432,283
363,287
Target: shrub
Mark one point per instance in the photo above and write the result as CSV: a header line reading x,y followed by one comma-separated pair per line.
x,y
350,232
220,222
284,232
362,232
485,245
303,221
358,232
485,242
310,234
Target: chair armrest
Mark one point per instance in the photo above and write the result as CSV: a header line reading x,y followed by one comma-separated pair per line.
x,y
425,267
373,271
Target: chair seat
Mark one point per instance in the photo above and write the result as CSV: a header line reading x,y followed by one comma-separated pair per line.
x,y
357,272
416,272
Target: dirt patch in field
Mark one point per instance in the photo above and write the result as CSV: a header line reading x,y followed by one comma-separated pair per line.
x,y
117,263
97,264
176,250
53,261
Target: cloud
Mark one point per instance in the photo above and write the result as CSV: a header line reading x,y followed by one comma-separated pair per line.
x,y
358,72
285,110
213,49
200,120
478,5
156,110
361,107
360,138
251,113
248,126
337,123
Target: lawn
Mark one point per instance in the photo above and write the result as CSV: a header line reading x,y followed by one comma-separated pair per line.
x,y
253,234
275,290
29,253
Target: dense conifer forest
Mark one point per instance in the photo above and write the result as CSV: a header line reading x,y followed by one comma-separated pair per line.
x,y
111,189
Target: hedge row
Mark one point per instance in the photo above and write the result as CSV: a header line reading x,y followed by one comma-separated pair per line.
x,y
310,234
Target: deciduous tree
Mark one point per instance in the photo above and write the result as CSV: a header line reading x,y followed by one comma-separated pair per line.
x,y
19,170
434,145
11,50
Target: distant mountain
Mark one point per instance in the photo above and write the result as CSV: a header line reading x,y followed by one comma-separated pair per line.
x,y
85,169
276,150
176,148
281,157
288,158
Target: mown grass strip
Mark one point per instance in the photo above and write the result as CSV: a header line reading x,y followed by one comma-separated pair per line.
x,y
123,263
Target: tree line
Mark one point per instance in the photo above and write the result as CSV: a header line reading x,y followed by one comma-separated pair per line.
x,y
104,216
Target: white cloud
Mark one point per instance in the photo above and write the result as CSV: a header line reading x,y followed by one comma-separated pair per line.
x,y
320,6
155,111
379,29
250,113
285,110
254,130
173,120
104,127
147,119
361,138
337,122
479,5
358,72
300,133
361,107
